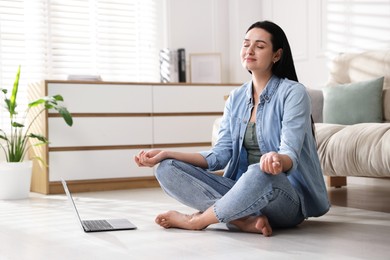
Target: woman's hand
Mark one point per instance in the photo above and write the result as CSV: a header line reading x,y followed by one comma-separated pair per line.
x,y
153,157
274,163
149,158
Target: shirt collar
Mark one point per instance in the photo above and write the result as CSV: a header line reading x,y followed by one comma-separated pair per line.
x,y
268,91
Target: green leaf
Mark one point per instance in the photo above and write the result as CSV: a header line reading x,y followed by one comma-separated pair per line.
x,y
58,97
4,137
8,103
12,100
16,124
65,115
37,102
40,160
39,137
49,106
40,144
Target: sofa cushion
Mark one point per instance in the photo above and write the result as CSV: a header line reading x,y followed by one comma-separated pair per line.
x,y
386,105
354,103
339,155
317,103
356,67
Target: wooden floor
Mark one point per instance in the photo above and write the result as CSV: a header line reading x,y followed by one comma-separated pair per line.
x,y
44,227
363,193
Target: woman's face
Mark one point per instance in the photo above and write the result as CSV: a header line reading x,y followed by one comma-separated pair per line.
x,y
256,51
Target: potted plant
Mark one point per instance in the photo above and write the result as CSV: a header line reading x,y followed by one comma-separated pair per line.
x,y
15,173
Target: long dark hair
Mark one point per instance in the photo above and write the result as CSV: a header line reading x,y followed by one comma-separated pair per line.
x,y
284,67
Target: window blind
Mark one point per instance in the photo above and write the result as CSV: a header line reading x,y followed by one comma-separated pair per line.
x,y
357,25
52,39
115,39
12,53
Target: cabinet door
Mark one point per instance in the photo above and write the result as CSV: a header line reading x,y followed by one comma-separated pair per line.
x,y
184,99
104,98
100,131
183,129
104,164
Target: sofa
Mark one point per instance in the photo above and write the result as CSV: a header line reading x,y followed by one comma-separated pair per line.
x,y
352,117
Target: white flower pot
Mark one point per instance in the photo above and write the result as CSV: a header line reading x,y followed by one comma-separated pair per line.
x,y
15,180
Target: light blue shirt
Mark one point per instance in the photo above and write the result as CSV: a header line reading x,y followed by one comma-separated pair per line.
x,y
283,125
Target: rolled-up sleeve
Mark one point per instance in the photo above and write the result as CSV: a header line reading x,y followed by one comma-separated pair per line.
x,y
296,121
211,159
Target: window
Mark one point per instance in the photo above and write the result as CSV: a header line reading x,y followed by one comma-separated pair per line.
x,y
51,39
357,25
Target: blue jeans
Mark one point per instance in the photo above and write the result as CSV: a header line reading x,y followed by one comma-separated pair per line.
x,y
255,193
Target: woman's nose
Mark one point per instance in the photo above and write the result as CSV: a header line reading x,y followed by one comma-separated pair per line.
x,y
249,50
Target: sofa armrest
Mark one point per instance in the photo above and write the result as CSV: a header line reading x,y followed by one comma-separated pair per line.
x,y
317,103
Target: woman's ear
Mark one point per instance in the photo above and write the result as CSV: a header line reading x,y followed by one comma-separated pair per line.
x,y
278,55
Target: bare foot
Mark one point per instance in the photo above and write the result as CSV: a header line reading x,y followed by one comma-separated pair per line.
x,y
175,219
253,224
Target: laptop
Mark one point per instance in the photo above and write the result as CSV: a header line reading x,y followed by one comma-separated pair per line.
x,y
100,224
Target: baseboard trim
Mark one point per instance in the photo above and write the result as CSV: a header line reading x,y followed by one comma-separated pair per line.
x,y
104,184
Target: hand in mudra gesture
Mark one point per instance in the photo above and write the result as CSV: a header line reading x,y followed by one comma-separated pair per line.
x,y
149,158
274,163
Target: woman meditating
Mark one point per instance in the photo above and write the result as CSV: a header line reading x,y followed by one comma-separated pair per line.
x,y
266,146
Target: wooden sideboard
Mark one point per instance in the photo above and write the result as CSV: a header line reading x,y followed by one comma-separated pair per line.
x,y
113,121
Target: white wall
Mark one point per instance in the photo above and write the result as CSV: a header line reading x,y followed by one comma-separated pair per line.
x,y
199,26
219,26
302,22
202,26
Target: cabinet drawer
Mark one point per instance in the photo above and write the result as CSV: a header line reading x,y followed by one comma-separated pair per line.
x,y
104,98
100,131
183,129
86,165
182,99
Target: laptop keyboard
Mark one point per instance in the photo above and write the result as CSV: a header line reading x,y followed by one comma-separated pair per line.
x,y
97,225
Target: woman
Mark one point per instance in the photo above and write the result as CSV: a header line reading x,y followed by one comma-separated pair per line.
x,y
273,177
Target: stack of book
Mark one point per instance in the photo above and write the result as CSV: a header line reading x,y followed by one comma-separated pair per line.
x,y
173,65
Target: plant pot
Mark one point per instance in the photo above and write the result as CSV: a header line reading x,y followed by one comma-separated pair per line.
x,y
15,180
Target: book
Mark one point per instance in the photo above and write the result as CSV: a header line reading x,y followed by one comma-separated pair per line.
x,y
85,77
182,64
169,66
